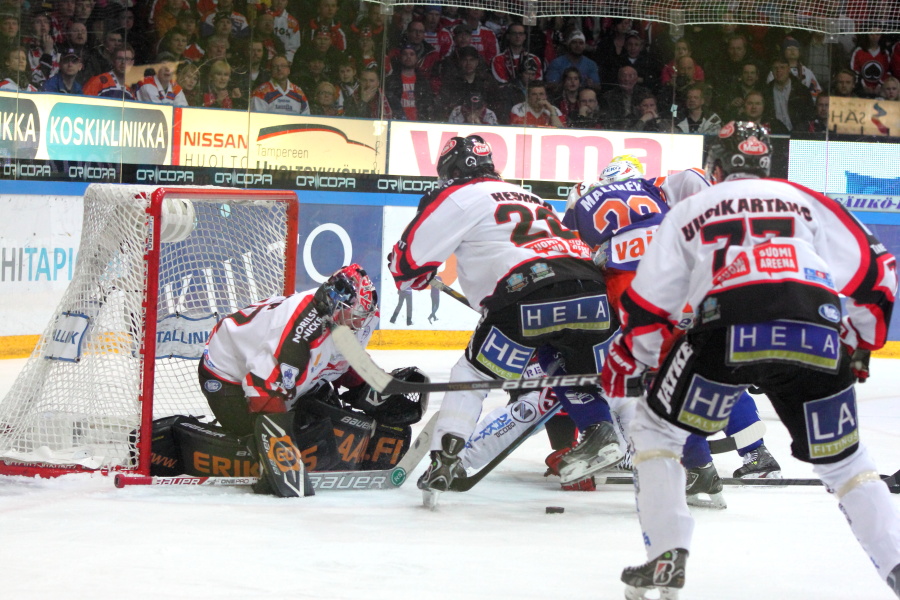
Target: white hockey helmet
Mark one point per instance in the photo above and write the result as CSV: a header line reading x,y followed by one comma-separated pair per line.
x,y
622,168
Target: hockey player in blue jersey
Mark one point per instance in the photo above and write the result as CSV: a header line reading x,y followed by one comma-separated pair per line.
x,y
617,216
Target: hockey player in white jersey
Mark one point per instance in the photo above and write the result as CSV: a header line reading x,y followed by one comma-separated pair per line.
x,y
535,285
618,215
763,263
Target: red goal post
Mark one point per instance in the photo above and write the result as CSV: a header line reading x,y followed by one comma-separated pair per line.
x,y
157,267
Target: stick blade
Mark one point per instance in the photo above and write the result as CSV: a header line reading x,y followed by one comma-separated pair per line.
x,y
359,359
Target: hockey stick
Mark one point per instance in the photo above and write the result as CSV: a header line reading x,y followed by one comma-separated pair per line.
x,y
323,480
383,383
892,481
440,285
464,484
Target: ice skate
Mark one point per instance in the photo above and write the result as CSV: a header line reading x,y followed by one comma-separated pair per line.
x,y
586,484
893,580
597,449
705,480
664,573
444,468
759,464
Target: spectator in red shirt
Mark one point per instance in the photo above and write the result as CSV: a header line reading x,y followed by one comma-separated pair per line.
x,y
682,48
408,90
435,34
483,38
871,63
503,67
536,111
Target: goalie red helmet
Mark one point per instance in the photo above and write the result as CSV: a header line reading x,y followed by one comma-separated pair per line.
x,y
465,157
742,148
348,297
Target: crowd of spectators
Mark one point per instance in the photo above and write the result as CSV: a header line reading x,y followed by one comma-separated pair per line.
x,y
434,63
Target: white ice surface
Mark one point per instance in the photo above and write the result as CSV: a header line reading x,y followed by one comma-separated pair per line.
x,y
79,537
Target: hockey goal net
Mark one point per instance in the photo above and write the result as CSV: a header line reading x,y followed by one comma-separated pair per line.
x,y
156,269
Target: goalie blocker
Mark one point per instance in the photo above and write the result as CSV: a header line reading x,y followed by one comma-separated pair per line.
x,y
328,433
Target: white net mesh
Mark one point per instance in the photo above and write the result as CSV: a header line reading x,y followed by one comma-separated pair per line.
x,y
827,16
78,401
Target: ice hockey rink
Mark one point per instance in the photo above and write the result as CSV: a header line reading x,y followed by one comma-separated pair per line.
x,y
80,537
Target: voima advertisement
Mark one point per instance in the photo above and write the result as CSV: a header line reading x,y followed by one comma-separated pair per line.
x,y
543,153
64,128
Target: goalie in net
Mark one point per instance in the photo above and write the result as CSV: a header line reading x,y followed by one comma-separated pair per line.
x,y
276,360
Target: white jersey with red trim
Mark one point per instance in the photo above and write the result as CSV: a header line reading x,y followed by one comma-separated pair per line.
x,y
755,250
507,242
277,346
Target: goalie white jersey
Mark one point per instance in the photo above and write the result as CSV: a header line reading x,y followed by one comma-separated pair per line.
x,y
753,250
278,346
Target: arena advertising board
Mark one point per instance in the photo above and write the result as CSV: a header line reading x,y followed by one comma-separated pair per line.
x,y
543,153
38,249
259,141
860,116
837,167
71,128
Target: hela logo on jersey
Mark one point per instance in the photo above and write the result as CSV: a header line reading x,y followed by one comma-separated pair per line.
x,y
753,146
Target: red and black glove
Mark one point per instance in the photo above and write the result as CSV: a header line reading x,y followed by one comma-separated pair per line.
x,y
859,364
622,375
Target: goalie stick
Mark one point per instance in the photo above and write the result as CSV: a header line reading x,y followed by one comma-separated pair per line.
x,y
385,479
383,383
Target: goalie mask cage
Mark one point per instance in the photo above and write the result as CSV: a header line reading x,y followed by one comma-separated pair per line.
x,y
157,267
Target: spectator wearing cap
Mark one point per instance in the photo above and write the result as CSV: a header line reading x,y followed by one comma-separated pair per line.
x,y
43,57
159,88
484,40
286,27
791,54
790,100
536,111
365,55
240,27
516,91
646,66
326,20
472,111
470,77
407,88
66,79
590,115
504,65
574,57
320,49
435,34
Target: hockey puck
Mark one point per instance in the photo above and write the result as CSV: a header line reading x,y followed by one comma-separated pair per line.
x,y
554,510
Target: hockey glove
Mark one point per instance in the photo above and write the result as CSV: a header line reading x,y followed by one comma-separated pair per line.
x,y
859,364
622,375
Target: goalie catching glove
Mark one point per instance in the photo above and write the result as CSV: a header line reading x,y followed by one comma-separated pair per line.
x,y
395,410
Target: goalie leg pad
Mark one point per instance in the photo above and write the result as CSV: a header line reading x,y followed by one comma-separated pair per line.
x,y
165,452
352,431
386,447
211,451
280,464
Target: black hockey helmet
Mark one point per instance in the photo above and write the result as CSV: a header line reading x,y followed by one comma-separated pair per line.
x,y
348,297
465,157
742,147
